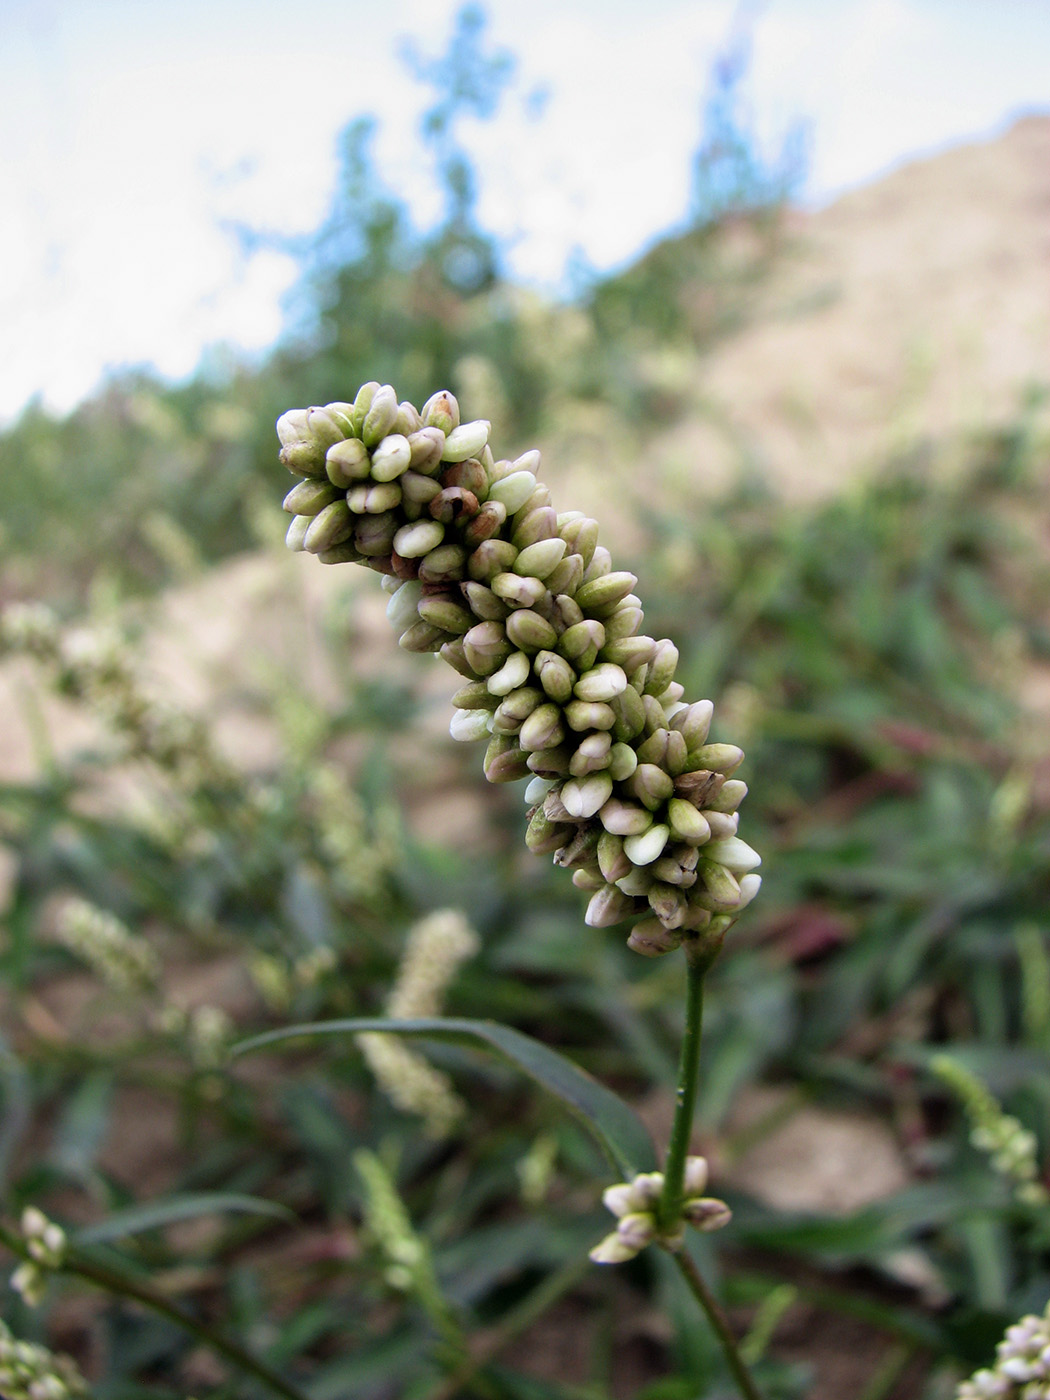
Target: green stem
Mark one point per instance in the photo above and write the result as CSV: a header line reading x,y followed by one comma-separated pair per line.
x,y
120,1286
700,954
719,1323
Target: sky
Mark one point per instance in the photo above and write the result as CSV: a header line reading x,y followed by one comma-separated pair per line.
x,y
133,135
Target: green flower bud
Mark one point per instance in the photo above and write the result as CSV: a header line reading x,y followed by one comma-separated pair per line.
x,y
654,716
486,647
661,668
676,754
734,854
490,558
347,462
304,458
582,642
582,715
550,763
628,715
625,818
466,441
529,631
648,845
601,563
374,534
392,457
323,428
504,761
455,654
330,526
426,446
446,564
381,416
540,559
637,882
653,749
418,489
555,675
292,427
627,652
668,904
373,500
445,613
608,906
650,785
584,796
543,729
468,725
513,491
441,411
722,887
474,696
669,872
586,879
622,761
581,535
592,755
694,722
345,553
601,682
600,595
517,591
309,497
686,823
624,622
483,602
565,578
403,608
514,672
537,790
534,525
527,462
422,636
729,796
419,538
408,419
720,758
612,860
296,535
543,836
485,524
538,498
362,404
652,940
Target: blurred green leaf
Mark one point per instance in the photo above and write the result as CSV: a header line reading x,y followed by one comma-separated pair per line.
x,y
154,1215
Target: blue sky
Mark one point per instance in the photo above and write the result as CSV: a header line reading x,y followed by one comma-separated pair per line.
x,y
131,131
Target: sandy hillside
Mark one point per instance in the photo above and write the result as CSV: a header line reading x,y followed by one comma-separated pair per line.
x,y
907,310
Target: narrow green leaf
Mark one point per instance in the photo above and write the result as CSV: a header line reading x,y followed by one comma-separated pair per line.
x,y
153,1215
614,1126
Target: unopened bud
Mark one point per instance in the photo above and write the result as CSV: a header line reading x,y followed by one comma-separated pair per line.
x,y
720,758
601,682
543,729
608,906
529,631
419,538
582,642
491,557
584,796
686,823
331,526
542,835
468,725
625,818
517,591
601,595
426,447
513,673
644,848
504,761
650,785
486,647
539,559
622,761
441,410
295,537
652,940
381,416
466,441
392,457
668,904
445,613
309,497
729,796
369,499
734,854
513,491
707,1213
555,675
583,715
592,755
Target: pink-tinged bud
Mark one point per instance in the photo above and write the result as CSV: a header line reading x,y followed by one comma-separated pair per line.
x,y
486,647
734,854
504,761
454,653
612,861
518,592
539,559
608,906
331,526
374,534
587,879
543,836
483,602
686,823
722,824
707,1213
624,818
441,410
550,763
699,787
426,446
583,715
446,564
543,729
584,796
488,522
602,682
600,595
582,642
650,785
592,755
555,675
668,904
652,940
648,845
532,526
309,498
529,631
637,882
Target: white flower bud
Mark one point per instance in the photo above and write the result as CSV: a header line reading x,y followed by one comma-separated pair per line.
x,y
734,854
392,457
419,538
468,725
513,491
646,847
466,441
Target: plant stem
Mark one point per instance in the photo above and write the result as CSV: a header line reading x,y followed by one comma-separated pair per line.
x,y
718,1321
699,957
122,1287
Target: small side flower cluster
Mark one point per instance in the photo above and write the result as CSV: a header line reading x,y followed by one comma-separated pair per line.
x,y
437,945
561,682
46,1243
1011,1146
634,1205
125,962
31,1372
1022,1365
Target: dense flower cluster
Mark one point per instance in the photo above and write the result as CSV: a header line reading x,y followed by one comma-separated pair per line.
x,y
123,960
31,1372
1022,1365
1012,1147
524,603
634,1203
46,1243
